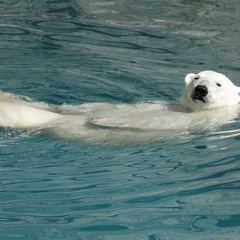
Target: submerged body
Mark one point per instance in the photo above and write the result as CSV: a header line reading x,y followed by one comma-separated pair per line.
x,y
208,101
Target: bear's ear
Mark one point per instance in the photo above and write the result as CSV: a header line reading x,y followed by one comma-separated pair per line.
x,y
189,78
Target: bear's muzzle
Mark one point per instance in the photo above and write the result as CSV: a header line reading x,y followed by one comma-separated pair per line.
x,y
199,93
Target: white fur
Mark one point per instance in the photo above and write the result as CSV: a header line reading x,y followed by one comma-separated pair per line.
x,y
125,124
19,114
221,91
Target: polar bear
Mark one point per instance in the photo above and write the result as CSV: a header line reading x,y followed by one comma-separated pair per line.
x,y
209,89
206,90
126,124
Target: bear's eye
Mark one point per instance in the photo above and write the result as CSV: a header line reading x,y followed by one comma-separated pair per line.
x,y
218,84
196,77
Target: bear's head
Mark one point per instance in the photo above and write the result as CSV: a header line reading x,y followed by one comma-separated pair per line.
x,y
209,89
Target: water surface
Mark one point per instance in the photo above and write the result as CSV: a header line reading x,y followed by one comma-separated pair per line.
x,y
73,52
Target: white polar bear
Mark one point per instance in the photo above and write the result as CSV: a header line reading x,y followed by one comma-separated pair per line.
x,y
207,90
204,91
124,124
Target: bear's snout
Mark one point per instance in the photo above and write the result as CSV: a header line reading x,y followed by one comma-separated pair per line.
x,y
199,93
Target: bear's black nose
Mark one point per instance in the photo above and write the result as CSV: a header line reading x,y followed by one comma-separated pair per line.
x,y
201,91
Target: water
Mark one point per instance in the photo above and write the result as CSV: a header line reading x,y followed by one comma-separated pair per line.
x,y
75,52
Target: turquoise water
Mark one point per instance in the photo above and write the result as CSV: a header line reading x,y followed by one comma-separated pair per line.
x,y
74,52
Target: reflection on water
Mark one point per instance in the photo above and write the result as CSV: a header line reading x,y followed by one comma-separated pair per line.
x,y
119,51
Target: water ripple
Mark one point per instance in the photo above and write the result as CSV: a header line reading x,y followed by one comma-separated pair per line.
x,y
7,29
74,52
56,25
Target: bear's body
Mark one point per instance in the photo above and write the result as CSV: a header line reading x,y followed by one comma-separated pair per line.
x,y
135,124
16,113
